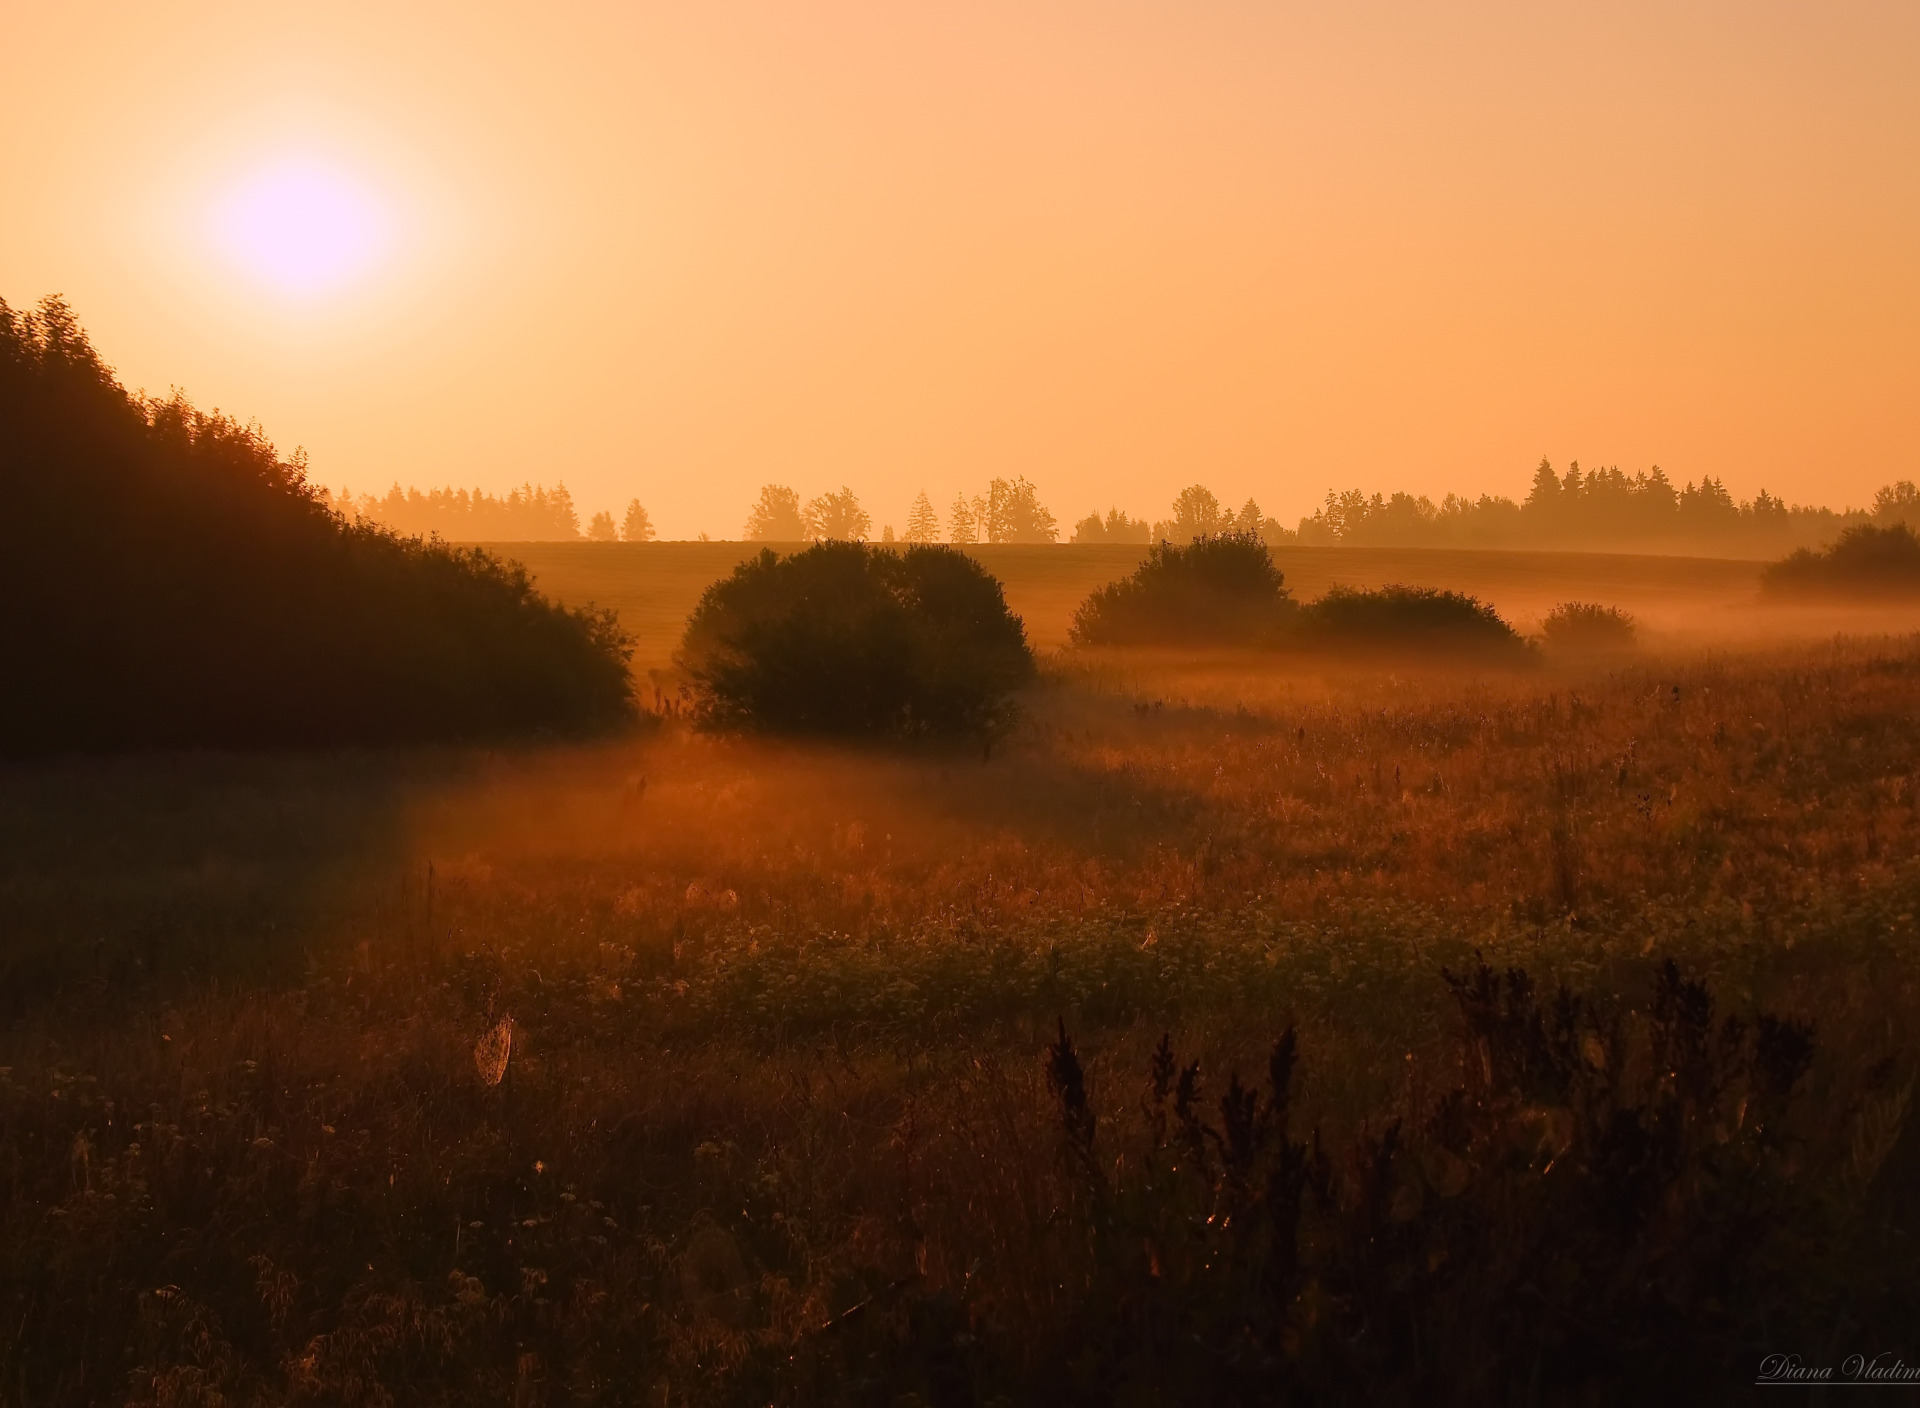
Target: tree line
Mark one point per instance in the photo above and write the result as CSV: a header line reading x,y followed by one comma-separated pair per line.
x,y
531,513
1599,509
172,580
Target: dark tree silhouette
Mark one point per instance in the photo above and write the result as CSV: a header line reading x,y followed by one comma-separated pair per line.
x,y
1222,590
171,580
845,638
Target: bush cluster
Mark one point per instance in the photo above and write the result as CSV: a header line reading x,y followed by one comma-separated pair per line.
x,y
172,581
1583,627
1865,562
1220,589
1225,590
850,639
1417,621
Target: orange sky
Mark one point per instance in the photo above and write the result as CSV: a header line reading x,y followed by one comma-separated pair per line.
x,y
1117,246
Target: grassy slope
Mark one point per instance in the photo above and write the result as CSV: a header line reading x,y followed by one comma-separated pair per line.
x,y
655,585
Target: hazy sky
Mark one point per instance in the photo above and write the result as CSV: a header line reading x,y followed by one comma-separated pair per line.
x,y
680,251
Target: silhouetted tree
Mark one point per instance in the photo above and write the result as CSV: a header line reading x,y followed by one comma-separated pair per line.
x,y
638,526
188,586
923,524
845,638
838,516
1196,514
1011,512
1222,589
603,529
1117,527
962,526
776,517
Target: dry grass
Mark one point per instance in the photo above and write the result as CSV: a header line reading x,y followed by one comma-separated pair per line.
x,y
780,1013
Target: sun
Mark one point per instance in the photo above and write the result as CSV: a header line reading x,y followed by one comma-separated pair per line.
x,y
301,228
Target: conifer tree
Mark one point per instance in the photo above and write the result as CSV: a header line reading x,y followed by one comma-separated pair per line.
x,y
923,523
638,527
961,524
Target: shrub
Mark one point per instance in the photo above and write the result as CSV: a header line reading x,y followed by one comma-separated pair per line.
x,y
172,581
1583,626
847,638
1221,589
1411,620
1865,562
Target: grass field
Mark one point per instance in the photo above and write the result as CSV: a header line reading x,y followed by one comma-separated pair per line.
x,y
776,1124
1683,600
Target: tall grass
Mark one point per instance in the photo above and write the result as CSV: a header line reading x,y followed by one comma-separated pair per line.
x,y
787,1115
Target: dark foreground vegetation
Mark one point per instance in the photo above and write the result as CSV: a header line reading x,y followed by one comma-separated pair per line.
x,y
1584,627
1224,590
1412,622
1218,589
171,580
1553,1043
844,638
1866,563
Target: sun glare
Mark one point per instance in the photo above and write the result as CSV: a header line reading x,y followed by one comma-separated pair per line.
x,y
302,229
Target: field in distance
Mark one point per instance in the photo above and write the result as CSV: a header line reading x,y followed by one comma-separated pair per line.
x,y
655,585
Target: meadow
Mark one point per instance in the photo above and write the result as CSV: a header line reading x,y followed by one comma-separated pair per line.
x,y
776,1121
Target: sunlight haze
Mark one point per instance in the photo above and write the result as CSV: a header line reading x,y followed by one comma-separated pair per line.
x,y
675,253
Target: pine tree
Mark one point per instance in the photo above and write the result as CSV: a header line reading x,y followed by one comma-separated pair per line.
x,y
602,528
638,527
923,523
1546,488
961,524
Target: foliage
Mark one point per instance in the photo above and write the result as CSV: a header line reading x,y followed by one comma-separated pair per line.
x,y
188,587
1220,590
848,639
1596,1203
1117,527
1600,508
776,517
963,526
838,517
637,526
1585,626
531,513
1867,561
1197,513
923,524
1424,621
1009,512
603,529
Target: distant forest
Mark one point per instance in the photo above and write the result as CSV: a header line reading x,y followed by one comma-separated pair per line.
x,y
1598,510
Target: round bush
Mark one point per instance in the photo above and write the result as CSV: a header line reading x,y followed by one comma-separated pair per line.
x,y
1585,627
1219,590
851,639
1412,621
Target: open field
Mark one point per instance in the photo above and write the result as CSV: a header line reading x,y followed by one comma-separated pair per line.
x,y
776,1104
1682,599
